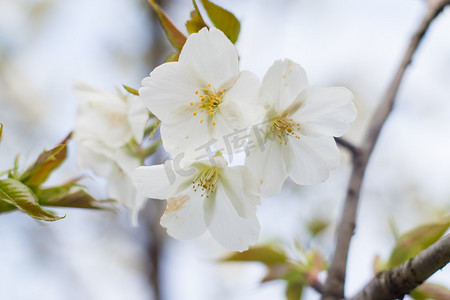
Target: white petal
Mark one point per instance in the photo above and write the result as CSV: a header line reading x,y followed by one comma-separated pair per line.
x,y
267,164
186,137
227,227
184,217
89,93
137,117
152,181
121,187
242,189
325,111
245,89
168,91
102,115
124,160
94,155
240,105
104,121
213,57
310,159
282,83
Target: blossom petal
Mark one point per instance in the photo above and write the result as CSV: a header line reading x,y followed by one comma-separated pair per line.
x,y
168,91
152,181
89,93
137,117
184,216
104,120
227,227
282,83
120,187
190,138
92,154
267,164
309,159
325,111
212,56
242,189
240,107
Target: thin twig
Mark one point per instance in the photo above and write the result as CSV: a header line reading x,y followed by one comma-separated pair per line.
x,y
334,286
347,145
395,283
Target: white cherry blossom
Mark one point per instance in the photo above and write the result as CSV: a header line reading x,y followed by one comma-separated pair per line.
x,y
296,137
202,195
203,96
105,123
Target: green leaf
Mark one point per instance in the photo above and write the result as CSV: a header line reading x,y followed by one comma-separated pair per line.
x,y
131,90
413,242
223,20
1,131
6,207
156,125
173,57
268,255
294,290
150,150
196,22
430,291
176,38
48,161
316,226
16,193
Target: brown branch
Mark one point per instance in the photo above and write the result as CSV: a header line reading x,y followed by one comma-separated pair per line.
x,y
347,145
395,283
334,286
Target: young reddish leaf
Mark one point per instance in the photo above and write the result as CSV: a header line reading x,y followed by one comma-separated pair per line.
x,y
196,22
176,38
413,242
277,271
223,20
131,90
268,255
16,193
48,161
66,198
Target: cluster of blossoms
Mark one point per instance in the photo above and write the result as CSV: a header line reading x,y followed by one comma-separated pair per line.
x,y
285,127
203,101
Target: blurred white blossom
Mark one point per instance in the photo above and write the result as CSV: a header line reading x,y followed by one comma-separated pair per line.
x,y
108,127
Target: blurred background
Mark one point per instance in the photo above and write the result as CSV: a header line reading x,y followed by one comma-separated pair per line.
x,y
46,45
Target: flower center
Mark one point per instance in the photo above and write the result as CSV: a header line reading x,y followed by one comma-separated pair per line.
x,y
210,100
284,128
206,181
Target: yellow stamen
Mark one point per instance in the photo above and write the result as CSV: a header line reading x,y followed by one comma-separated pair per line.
x,y
283,128
210,101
